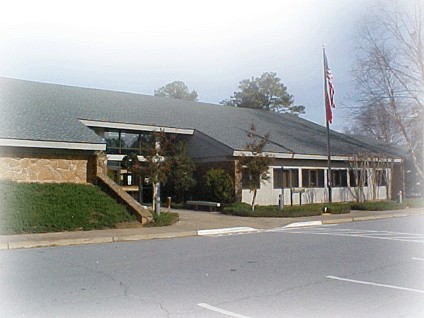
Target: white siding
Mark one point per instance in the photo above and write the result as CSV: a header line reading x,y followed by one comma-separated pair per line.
x,y
266,195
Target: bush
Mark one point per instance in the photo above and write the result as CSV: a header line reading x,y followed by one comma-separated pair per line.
x,y
163,219
377,206
243,209
219,186
337,208
35,208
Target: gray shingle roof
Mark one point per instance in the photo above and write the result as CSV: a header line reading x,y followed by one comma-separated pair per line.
x,y
50,112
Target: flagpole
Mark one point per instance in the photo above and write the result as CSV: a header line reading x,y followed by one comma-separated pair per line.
x,y
327,120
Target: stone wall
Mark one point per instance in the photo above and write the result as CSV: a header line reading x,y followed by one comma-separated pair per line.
x,y
45,168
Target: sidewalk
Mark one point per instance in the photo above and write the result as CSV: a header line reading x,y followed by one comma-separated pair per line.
x,y
190,223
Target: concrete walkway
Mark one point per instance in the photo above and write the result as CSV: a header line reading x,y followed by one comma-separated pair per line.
x,y
191,223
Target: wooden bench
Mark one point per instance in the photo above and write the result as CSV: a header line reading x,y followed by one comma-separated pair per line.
x,y
211,205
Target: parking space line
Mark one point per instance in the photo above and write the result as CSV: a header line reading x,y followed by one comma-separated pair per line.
x,y
221,311
380,235
376,284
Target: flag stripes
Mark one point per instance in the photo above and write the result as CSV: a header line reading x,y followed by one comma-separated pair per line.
x,y
329,91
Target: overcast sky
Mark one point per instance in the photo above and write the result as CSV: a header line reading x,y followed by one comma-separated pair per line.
x,y
139,46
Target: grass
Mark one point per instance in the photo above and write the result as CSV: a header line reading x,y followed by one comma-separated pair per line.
x,y
37,208
414,202
164,219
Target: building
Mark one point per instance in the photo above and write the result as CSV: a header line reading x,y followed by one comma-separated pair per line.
x,y
56,133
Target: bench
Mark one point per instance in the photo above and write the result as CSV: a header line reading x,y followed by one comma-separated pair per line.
x,y
211,205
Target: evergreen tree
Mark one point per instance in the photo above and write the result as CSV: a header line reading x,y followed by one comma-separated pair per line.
x,y
265,92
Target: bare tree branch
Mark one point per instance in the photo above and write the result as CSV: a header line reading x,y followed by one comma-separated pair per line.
x,y
389,74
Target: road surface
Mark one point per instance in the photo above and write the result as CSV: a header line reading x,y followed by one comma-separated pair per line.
x,y
361,269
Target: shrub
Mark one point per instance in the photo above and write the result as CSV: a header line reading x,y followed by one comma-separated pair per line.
x,y
337,208
219,186
238,209
302,210
163,219
377,206
243,209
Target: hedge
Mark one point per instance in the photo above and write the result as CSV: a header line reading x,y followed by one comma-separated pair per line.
x,y
243,209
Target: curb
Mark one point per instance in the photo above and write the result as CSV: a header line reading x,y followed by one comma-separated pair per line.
x,y
60,242
153,236
337,221
97,240
371,218
112,239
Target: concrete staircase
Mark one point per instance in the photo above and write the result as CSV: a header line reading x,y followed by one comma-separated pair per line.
x,y
108,185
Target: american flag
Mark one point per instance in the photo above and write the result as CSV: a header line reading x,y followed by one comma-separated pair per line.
x,y
329,91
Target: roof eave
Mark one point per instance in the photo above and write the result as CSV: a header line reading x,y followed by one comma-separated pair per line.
x,y
278,155
136,127
24,143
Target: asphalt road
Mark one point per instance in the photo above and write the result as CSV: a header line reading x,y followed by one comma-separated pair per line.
x,y
362,269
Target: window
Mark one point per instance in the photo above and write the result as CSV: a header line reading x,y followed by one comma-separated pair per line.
x,y
246,180
339,178
291,178
288,178
113,143
130,143
278,178
313,178
381,178
358,177
125,142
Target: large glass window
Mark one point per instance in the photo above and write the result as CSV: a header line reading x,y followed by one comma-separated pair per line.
x,y
291,178
113,143
339,178
313,178
288,178
130,143
126,142
358,177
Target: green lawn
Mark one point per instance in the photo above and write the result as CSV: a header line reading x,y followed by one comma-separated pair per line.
x,y
34,208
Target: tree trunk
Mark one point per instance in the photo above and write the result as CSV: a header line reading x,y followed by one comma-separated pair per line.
x,y
156,198
254,199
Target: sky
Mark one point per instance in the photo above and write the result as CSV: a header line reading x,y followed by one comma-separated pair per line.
x,y
139,46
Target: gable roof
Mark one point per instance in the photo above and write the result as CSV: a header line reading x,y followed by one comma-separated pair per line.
x,y
36,111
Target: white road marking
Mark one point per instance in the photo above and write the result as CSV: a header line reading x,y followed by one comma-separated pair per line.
x,y
302,224
381,235
418,259
221,311
228,230
376,284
